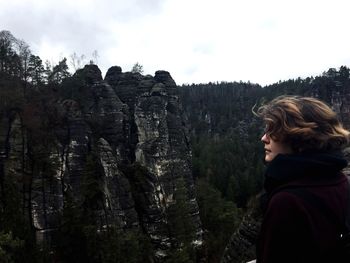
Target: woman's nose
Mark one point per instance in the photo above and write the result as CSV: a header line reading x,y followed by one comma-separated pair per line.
x,y
265,138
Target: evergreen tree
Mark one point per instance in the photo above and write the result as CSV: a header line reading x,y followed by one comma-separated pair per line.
x,y
10,248
9,60
24,54
36,70
181,225
47,71
219,217
137,68
59,72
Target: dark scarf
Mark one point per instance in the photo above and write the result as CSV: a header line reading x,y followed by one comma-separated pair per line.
x,y
314,167
285,168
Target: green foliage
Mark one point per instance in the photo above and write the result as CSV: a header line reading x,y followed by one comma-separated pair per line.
x,y
17,238
227,166
59,72
79,217
181,225
179,217
81,239
183,254
10,58
137,68
36,70
219,217
10,247
116,246
70,239
216,108
12,99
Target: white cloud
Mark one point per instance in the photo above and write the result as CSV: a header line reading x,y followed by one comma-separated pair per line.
x,y
196,41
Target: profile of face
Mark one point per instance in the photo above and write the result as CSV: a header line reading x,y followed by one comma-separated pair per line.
x,y
273,148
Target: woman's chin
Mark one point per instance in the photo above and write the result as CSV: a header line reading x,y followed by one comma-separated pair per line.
x,y
269,158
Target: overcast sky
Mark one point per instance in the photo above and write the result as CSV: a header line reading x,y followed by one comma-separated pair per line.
x,y
197,41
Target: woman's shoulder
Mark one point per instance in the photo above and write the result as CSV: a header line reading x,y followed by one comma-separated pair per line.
x,y
286,199
286,209
286,204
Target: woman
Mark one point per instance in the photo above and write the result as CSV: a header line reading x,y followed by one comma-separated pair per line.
x,y
306,193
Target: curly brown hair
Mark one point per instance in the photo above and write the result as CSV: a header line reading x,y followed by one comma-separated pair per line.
x,y
304,123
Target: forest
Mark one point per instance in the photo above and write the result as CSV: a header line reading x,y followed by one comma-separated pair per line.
x,y
225,161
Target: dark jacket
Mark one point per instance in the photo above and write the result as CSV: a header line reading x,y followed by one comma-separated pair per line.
x,y
294,230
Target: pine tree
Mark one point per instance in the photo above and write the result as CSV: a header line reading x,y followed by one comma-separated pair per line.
x,y
36,70
137,68
181,225
59,72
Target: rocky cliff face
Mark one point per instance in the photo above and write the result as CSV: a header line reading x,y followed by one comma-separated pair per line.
x,y
158,143
127,134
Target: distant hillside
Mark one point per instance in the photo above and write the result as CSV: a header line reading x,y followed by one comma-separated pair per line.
x,y
225,137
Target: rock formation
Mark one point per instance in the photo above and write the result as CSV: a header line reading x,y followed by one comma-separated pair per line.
x,y
125,132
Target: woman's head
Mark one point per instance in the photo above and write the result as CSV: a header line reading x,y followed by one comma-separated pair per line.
x,y
303,124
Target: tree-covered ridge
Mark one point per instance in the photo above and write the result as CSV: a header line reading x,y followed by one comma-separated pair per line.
x,y
225,134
